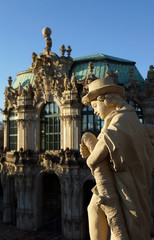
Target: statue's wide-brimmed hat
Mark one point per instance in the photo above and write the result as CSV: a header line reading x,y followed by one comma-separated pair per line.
x,y
99,87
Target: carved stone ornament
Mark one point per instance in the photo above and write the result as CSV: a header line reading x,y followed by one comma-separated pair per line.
x,y
67,184
74,82
24,122
70,118
10,98
57,169
20,183
7,168
89,78
150,75
50,70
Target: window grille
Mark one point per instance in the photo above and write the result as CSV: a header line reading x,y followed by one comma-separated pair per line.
x,y
138,109
50,127
12,130
90,122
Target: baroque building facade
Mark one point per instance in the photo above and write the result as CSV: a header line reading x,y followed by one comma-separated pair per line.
x,y
44,180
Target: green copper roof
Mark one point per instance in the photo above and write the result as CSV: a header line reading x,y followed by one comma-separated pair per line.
x,y
101,56
103,63
24,78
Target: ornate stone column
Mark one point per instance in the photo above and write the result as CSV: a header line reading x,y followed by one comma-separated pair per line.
x,y
6,133
24,192
71,203
148,111
26,123
70,120
76,207
66,191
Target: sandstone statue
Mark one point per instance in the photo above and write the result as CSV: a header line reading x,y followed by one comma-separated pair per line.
x,y
121,161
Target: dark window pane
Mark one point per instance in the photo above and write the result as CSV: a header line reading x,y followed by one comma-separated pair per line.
x,y
51,108
138,110
51,126
12,134
84,119
84,109
102,123
91,122
56,108
90,109
97,123
46,109
56,124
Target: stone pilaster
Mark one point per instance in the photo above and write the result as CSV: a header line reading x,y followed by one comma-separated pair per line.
x,y
6,134
148,111
5,180
70,120
25,216
26,123
71,203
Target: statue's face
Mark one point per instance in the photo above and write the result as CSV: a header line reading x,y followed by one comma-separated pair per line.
x,y
101,109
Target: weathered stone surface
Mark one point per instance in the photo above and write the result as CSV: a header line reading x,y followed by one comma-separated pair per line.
x,y
121,161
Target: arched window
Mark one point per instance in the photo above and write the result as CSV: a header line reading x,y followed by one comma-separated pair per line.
x,y
138,109
12,130
50,127
90,122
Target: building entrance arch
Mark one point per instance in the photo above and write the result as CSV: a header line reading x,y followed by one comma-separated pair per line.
x,y
49,207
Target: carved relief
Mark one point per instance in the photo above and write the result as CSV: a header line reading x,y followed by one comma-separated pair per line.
x,y
67,85
20,183
29,182
24,122
50,70
7,168
57,169
150,75
74,82
10,98
70,118
89,78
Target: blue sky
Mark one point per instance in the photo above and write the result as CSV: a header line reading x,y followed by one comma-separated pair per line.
x,y
115,27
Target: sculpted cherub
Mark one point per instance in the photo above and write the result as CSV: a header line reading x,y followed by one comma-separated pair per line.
x,y
120,159
66,83
74,82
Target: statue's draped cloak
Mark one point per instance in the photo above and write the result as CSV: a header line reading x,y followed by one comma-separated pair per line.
x,y
131,157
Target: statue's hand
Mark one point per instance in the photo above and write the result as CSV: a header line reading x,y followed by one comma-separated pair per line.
x,y
89,140
84,150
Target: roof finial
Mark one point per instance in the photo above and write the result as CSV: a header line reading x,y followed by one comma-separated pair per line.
x,y
150,75
10,81
68,50
62,50
46,33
